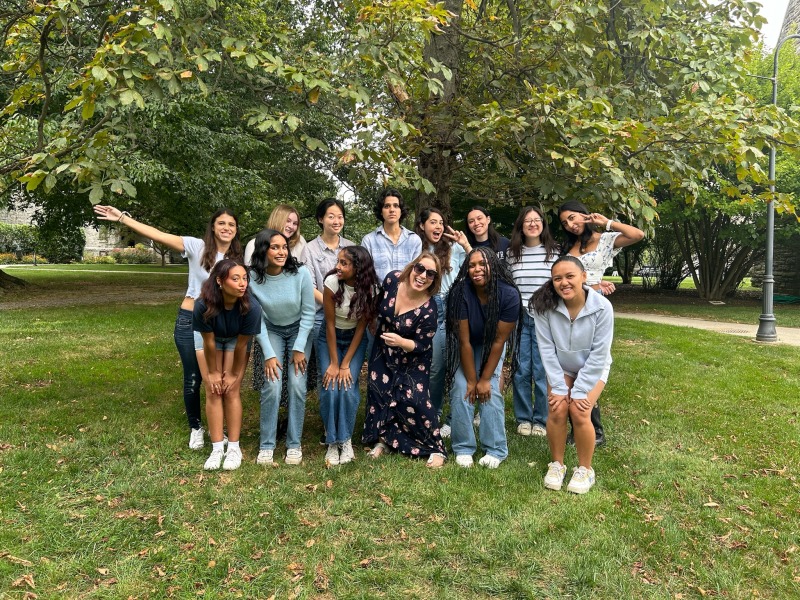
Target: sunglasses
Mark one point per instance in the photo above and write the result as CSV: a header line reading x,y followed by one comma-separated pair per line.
x,y
419,269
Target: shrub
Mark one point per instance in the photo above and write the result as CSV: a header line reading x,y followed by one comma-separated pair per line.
x,y
8,258
139,255
17,238
27,259
99,260
62,245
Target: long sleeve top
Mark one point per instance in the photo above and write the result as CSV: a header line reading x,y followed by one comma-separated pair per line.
x,y
582,346
285,299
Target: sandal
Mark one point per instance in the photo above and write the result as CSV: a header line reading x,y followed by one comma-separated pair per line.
x,y
378,450
436,460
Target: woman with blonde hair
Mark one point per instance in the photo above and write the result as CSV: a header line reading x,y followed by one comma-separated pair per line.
x,y
286,219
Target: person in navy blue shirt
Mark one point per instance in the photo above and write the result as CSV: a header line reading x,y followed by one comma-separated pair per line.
x,y
483,313
227,320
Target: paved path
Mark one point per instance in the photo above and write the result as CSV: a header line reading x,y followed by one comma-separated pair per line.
x,y
786,335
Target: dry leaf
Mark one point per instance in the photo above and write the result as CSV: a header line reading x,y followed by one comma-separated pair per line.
x,y
15,560
257,555
365,563
23,581
212,541
329,483
312,487
321,581
310,543
212,564
386,499
102,571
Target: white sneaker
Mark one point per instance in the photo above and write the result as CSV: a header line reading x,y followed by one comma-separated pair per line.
x,y
524,428
233,459
264,457
490,462
555,476
445,431
476,420
294,456
214,461
196,441
539,430
332,455
464,460
347,454
582,480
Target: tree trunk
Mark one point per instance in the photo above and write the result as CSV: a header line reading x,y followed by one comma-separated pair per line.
x,y
9,282
438,120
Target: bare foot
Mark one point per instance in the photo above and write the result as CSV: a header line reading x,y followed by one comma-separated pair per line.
x,y
435,461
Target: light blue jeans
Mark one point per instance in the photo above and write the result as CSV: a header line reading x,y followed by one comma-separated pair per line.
x,y
492,429
282,339
438,365
337,406
530,405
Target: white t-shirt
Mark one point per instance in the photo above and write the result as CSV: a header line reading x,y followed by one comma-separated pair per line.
x,y
342,322
193,249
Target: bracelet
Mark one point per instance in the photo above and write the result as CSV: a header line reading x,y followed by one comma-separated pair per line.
x,y
122,215
608,224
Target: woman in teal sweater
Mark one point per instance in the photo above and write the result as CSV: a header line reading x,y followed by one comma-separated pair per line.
x,y
286,295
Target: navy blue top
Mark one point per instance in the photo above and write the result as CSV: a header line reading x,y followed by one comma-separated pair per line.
x,y
228,323
503,245
475,312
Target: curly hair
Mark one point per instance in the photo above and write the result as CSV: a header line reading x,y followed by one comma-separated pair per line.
x,y
377,208
364,301
498,271
518,236
234,252
211,291
588,229
258,264
443,248
546,298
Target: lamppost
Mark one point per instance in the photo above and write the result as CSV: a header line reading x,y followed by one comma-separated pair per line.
x,y
766,322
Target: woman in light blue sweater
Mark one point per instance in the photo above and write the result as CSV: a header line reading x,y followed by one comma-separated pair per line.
x,y
574,327
286,295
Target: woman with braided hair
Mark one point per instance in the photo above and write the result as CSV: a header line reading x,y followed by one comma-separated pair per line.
x,y
483,313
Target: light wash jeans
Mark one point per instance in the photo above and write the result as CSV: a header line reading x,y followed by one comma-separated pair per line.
x,y
337,406
282,340
492,429
438,366
530,371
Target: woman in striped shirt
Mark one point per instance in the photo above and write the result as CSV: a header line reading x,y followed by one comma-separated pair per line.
x,y
530,256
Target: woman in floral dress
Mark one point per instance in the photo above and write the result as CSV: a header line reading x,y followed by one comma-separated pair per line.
x,y
400,416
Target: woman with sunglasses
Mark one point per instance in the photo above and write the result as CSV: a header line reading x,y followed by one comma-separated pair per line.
x,y
400,416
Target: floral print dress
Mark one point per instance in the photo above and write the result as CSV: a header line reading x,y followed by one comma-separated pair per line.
x,y
598,260
399,409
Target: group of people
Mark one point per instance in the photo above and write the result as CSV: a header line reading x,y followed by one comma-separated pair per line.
x,y
435,312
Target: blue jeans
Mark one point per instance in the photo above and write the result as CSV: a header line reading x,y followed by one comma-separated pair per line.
x,y
184,341
530,370
319,320
282,340
438,366
492,429
337,406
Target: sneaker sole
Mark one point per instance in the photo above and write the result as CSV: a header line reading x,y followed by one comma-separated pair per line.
x,y
574,491
552,486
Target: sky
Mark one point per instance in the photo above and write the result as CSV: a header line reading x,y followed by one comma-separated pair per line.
x,y
773,11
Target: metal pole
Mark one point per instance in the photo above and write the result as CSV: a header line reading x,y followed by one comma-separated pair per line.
x,y
766,322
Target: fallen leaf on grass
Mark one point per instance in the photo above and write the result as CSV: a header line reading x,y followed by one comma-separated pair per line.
x,y
329,483
23,581
312,487
4,446
212,564
30,596
310,543
746,509
710,504
15,560
321,580
257,555
307,523
645,421
212,541
386,499
102,571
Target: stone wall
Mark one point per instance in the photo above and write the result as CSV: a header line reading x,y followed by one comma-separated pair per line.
x,y
791,17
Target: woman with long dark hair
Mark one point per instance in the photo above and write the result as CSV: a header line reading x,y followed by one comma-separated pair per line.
x,y
227,321
596,251
529,257
350,304
400,415
450,247
575,327
286,296
483,313
221,240
481,232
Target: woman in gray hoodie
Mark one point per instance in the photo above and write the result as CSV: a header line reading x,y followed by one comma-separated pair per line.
x,y
574,327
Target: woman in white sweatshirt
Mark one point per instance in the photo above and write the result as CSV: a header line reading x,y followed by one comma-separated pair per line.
x,y
574,327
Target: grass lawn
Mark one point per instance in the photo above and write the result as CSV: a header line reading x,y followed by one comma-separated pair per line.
x,y
697,492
